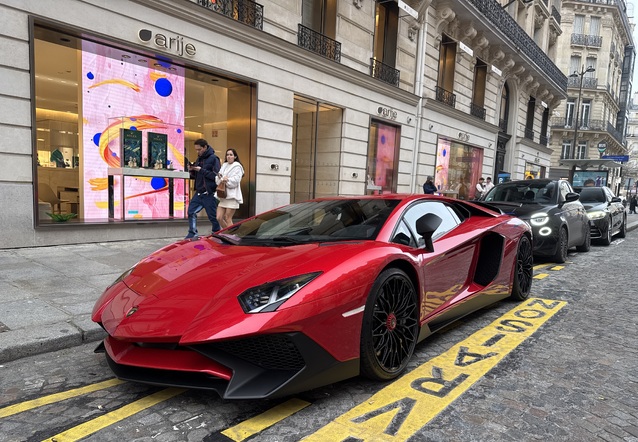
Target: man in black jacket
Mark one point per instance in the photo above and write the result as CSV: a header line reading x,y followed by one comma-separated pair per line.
x,y
203,170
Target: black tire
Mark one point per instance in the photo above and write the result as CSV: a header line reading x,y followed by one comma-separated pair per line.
x,y
607,239
586,245
561,247
623,228
523,270
390,326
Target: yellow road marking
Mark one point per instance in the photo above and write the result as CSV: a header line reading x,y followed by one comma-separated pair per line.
x,y
541,276
540,266
557,268
258,423
46,400
399,410
95,425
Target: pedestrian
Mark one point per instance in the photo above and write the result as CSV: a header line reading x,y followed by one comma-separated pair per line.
x,y
488,185
480,187
589,183
204,171
429,188
231,174
633,202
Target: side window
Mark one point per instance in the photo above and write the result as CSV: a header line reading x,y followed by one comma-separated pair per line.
x,y
564,190
404,236
449,218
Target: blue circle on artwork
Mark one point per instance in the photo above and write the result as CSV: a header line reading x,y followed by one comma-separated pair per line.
x,y
163,87
179,131
132,118
133,128
158,183
90,75
444,152
382,139
96,138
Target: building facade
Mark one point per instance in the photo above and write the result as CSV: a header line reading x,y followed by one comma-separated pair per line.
x,y
598,58
102,103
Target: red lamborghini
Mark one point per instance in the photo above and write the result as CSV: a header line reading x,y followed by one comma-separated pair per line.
x,y
310,293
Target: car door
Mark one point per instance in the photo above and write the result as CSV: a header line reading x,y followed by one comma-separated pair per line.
x,y
444,272
574,214
616,210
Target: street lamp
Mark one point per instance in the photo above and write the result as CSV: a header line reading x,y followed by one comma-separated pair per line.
x,y
580,74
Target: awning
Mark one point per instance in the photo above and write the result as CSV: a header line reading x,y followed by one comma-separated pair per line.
x,y
589,164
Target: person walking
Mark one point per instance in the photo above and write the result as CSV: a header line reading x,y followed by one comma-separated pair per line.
x,y
230,174
488,185
633,202
429,188
204,171
480,187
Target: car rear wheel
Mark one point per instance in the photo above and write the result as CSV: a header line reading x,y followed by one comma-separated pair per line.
x,y
623,228
561,247
586,245
390,326
523,271
607,239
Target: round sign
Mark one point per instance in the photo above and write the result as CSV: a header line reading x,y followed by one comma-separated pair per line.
x,y
602,147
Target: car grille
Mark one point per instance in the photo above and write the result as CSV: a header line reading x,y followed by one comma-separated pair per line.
x,y
595,232
272,352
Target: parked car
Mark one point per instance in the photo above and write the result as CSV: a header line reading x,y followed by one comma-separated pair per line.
x,y
606,213
310,293
553,210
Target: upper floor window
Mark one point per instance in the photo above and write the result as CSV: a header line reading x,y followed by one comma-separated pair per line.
x,y
447,63
529,124
320,16
385,32
566,150
504,108
478,93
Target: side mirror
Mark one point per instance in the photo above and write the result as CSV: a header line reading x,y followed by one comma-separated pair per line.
x,y
571,197
426,226
615,199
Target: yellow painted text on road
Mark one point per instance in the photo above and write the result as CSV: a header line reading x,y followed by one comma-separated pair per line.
x,y
541,276
399,410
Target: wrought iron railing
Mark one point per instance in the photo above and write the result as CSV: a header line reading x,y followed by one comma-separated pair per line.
x,y
543,140
500,19
319,43
588,82
615,133
244,11
445,97
556,14
384,72
594,41
477,111
529,133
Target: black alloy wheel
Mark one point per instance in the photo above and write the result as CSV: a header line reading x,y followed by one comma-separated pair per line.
x,y
561,247
390,326
606,240
623,227
524,270
586,245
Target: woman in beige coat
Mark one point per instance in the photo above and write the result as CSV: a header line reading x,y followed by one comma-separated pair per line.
x,y
230,173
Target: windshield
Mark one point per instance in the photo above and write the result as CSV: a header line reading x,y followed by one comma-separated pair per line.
x,y
533,192
312,221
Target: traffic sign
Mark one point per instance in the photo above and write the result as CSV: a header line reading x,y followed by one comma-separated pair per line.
x,y
602,147
618,158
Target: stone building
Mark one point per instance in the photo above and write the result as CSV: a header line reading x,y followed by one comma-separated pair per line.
x,y
102,103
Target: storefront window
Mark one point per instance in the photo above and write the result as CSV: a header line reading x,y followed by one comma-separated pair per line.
x,y
316,149
458,168
383,158
101,108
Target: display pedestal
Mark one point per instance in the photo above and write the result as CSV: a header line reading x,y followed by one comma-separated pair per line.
x,y
171,174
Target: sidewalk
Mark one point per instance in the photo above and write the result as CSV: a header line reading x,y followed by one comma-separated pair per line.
x,y
47,293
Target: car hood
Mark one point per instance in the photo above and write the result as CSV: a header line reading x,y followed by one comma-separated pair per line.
x,y
178,287
521,210
594,206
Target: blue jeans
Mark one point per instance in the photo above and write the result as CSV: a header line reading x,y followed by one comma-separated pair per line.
x,y
198,202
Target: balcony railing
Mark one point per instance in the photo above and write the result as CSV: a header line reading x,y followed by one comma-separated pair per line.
x,y
244,11
529,133
588,82
556,14
501,20
543,140
384,72
319,43
615,133
445,97
594,41
477,111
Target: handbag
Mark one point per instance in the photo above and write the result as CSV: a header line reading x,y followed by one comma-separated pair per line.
x,y
221,190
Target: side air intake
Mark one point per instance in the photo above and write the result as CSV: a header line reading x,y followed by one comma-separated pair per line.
x,y
490,256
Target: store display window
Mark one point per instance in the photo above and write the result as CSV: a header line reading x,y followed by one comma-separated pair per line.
x,y
458,169
383,158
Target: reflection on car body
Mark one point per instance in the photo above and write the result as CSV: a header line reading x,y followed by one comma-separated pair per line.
x,y
605,211
553,210
310,293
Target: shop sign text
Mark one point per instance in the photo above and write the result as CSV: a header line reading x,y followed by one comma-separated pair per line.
x,y
173,44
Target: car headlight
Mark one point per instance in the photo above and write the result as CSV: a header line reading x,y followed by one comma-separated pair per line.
x,y
268,297
596,214
123,276
539,219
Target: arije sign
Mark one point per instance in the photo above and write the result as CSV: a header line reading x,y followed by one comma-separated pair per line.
x,y
172,44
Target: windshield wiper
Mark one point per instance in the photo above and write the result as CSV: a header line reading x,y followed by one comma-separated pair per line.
x,y
225,239
288,239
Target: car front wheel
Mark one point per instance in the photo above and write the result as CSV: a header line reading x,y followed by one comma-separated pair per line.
x,y
607,239
623,228
586,245
561,247
523,271
390,326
